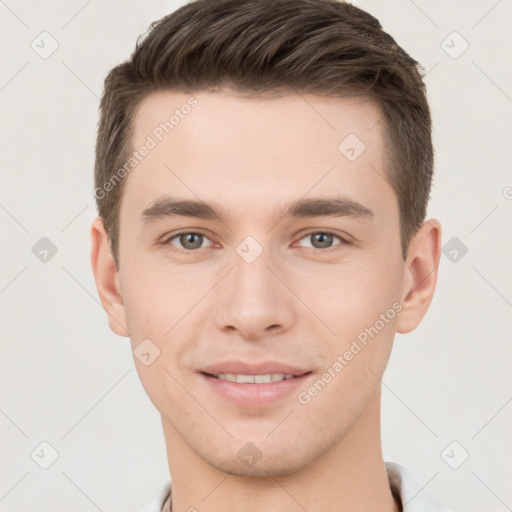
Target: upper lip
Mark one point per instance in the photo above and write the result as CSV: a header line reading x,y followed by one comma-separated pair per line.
x,y
262,368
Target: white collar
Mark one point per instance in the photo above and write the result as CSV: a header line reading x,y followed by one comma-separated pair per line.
x,y
413,496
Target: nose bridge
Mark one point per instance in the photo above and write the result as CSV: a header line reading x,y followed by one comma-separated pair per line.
x,y
252,298
251,268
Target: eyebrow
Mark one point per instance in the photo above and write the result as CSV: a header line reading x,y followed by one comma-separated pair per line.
x,y
168,206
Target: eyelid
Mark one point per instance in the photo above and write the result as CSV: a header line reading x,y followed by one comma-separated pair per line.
x,y
167,239
345,239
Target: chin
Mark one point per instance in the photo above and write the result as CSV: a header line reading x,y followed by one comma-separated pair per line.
x,y
280,464
265,457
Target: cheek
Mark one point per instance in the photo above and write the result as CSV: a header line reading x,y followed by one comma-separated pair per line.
x,y
358,307
159,305
347,297
152,298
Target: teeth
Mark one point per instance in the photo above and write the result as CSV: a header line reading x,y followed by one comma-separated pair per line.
x,y
254,379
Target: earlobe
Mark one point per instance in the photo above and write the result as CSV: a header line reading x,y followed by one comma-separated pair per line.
x,y
107,278
420,275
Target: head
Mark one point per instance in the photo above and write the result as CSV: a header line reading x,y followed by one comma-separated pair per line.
x,y
263,113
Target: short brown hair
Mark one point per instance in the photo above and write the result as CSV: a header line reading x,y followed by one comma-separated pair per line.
x,y
265,48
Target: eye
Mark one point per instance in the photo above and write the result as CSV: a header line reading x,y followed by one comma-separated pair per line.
x,y
323,239
189,241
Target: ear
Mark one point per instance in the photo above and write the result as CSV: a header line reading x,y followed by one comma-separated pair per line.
x,y
420,275
107,278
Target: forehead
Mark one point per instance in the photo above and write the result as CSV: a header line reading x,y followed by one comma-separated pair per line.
x,y
307,116
220,147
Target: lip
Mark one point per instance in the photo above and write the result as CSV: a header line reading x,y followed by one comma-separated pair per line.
x,y
254,395
262,368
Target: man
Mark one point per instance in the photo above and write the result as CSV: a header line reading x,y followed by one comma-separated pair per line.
x,y
262,175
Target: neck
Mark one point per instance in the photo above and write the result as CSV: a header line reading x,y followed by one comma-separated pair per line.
x,y
350,476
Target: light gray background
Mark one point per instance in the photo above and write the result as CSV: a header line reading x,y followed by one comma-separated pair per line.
x,y
68,380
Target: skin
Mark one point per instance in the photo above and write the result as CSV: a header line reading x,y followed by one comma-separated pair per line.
x,y
295,303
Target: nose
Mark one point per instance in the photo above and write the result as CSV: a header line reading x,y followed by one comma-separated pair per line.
x,y
254,300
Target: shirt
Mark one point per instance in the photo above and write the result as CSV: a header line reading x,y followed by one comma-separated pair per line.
x,y
403,486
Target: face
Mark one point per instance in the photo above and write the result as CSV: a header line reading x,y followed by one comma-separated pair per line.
x,y
241,284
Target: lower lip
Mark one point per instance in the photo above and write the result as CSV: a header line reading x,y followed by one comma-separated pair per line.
x,y
254,395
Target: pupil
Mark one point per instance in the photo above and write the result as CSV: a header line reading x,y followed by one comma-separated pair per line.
x,y
327,239
189,236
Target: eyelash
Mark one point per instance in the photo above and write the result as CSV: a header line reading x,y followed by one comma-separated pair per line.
x,y
188,251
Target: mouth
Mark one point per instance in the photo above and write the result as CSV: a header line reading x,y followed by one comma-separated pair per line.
x,y
254,390
241,378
